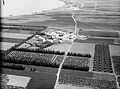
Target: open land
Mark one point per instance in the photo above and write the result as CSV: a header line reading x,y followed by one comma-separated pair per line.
x,y
71,47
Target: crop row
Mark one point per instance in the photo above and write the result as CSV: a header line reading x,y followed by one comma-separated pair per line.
x,y
83,81
31,58
12,66
79,54
77,63
6,24
23,28
102,60
116,63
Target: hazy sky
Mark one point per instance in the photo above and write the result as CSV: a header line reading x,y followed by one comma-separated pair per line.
x,y
27,6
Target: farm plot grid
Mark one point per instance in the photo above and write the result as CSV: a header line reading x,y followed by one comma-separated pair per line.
x,y
31,58
102,60
88,79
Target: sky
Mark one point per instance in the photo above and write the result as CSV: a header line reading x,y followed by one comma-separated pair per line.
x,y
16,7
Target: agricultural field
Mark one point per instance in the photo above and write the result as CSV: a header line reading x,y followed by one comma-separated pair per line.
x,y
59,47
83,48
118,79
36,42
95,40
86,79
11,40
114,50
15,35
38,79
58,60
56,20
102,60
99,33
116,64
29,58
76,63
6,45
9,81
32,58
16,31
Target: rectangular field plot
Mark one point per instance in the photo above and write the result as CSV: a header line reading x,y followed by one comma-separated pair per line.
x,y
83,48
22,81
85,79
114,50
99,33
31,58
102,60
76,63
11,40
6,45
15,35
59,47
17,31
95,40
116,64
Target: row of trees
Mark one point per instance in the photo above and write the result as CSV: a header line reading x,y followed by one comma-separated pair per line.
x,y
6,24
38,51
23,28
12,66
79,54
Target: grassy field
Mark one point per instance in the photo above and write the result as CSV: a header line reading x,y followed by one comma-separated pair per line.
x,y
114,50
95,40
15,35
99,33
59,47
83,48
16,31
61,21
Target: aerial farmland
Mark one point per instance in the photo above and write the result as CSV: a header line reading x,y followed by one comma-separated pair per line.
x,y
74,46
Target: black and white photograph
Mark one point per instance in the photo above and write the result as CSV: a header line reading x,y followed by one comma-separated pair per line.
x,y
60,44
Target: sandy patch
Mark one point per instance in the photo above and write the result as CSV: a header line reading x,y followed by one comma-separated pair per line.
x,y
18,80
6,45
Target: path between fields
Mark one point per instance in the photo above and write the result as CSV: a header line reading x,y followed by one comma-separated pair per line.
x,y
59,70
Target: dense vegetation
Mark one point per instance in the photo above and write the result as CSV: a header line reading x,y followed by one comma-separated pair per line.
x,y
116,63
76,63
79,54
86,81
12,66
102,59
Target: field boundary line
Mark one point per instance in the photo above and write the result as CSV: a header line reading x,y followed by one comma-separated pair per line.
x,y
59,70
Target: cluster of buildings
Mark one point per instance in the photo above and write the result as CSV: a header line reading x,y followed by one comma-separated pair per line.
x,y
57,36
